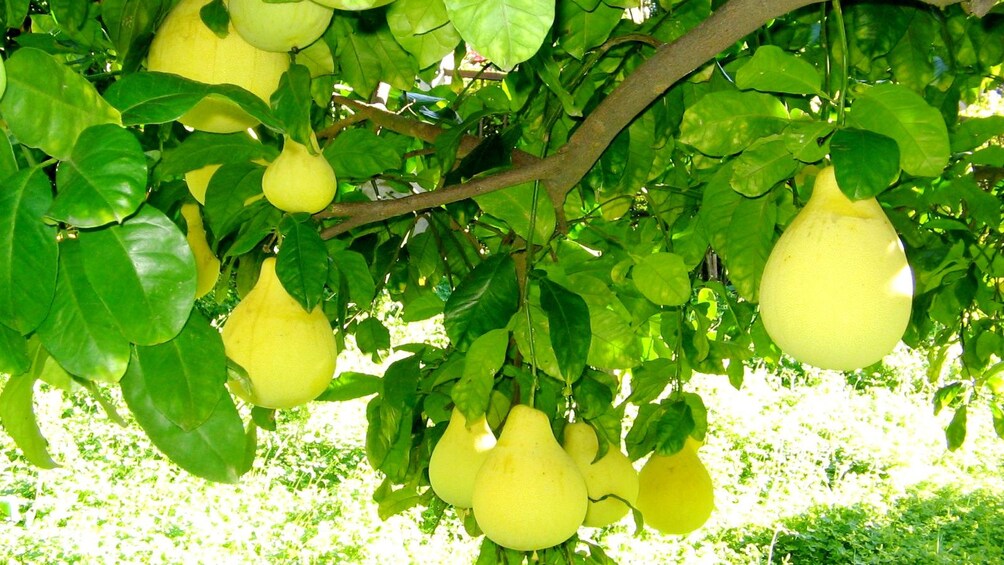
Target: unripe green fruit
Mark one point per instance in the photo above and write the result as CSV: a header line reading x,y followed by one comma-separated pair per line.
x,y
837,289
183,45
458,457
298,181
279,27
288,353
675,493
613,474
529,494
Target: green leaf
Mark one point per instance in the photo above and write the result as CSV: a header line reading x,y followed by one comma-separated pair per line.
x,y
47,105
773,70
302,263
291,103
361,154
354,270
507,32
368,56
581,29
144,273
8,162
383,422
28,250
104,179
214,450
372,336
349,385
14,358
423,28
750,240
201,148
483,301
185,376
485,357
761,167
216,17
866,163
971,133
662,278
726,122
130,23
514,204
649,380
568,323
14,12
807,141
233,197
674,427
900,113
955,433
17,415
79,332
159,98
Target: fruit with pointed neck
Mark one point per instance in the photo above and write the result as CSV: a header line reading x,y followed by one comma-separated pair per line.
x,y
675,492
300,179
608,480
458,457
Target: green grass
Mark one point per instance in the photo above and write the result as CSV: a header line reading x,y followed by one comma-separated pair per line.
x,y
808,469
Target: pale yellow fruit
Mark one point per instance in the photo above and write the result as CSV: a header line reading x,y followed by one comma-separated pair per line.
x,y
353,5
529,494
207,266
457,458
288,353
183,45
298,180
675,493
279,27
836,290
613,474
198,181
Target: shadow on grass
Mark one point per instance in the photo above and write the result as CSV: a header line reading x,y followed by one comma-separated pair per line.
x,y
929,526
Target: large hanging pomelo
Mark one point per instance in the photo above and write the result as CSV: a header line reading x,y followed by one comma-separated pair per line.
x,y
458,457
610,481
279,27
675,492
836,290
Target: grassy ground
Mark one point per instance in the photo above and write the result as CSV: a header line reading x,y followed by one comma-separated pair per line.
x,y
816,471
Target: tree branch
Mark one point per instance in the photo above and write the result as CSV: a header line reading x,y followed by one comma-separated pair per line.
x,y
562,170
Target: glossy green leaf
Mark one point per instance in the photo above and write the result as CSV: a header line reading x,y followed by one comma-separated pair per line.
x,y
28,250
352,268
771,69
368,56
507,32
650,379
103,180
910,59
900,113
185,376
807,141
349,385
291,103
372,337
201,148
302,263
361,154
582,29
79,332
662,278
726,122
762,166
971,133
674,427
144,273
213,450
423,28
514,205
8,162
718,205
568,322
130,23
484,358
484,301
17,416
233,196
955,433
158,98
750,240
14,358
542,355
865,163
47,105
13,12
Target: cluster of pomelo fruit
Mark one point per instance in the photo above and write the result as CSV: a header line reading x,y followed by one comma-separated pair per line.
x,y
527,492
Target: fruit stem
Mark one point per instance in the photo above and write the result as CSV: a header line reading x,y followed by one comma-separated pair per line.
x,y
838,13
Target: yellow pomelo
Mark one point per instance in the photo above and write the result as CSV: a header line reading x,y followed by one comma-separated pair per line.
x,y
529,494
613,474
354,5
183,45
457,458
279,27
207,266
836,290
288,353
198,181
298,180
675,493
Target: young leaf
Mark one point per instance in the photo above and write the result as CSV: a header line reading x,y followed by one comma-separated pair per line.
x,y
214,450
865,162
28,250
144,273
484,358
726,122
302,263
17,415
47,105
569,327
423,28
662,278
484,301
514,206
103,180
761,167
507,32
773,70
